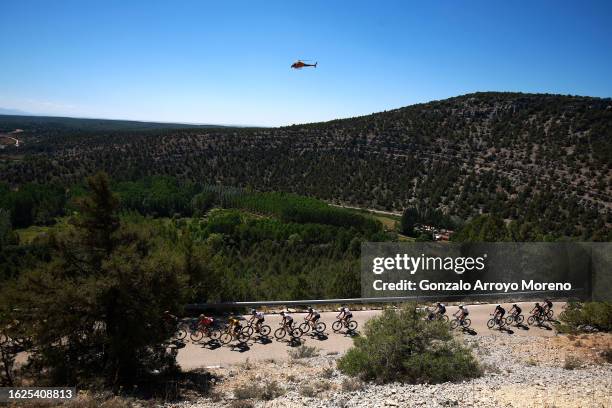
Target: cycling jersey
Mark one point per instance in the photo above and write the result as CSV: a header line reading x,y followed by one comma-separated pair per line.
x,y
288,319
206,321
441,309
549,304
259,315
465,311
500,310
517,310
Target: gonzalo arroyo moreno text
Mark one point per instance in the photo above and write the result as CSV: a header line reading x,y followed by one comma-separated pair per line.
x,y
459,265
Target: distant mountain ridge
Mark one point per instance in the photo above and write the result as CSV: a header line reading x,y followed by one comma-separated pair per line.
x,y
6,111
533,158
6,119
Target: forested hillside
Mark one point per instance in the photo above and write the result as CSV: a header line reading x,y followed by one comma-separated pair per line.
x,y
544,161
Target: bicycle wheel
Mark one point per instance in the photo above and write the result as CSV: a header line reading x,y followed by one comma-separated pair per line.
x,y
247,331
490,323
296,332
352,325
510,320
305,327
182,331
320,327
445,318
280,333
196,335
454,324
467,323
337,326
214,334
225,338
531,320
265,330
242,337
519,319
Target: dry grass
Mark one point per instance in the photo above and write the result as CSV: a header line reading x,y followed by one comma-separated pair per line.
x,y
303,352
352,385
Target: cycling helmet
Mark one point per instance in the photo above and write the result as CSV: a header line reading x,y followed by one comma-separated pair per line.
x,y
202,316
537,304
310,308
282,313
460,306
439,304
498,305
514,305
253,311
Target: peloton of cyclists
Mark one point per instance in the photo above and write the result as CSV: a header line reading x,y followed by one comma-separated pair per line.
x,y
258,318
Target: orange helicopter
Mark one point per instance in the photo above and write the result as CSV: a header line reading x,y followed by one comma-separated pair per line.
x,y
299,64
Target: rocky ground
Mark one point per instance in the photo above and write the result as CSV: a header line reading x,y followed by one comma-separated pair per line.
x,y
563,371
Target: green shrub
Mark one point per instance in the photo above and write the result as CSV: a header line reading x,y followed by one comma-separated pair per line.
x,y
352,384
401,346
594,314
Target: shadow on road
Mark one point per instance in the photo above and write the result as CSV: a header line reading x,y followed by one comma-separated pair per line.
x,y
470,331
240,347
263,340
211,345
506,329
319,336
522,326
294,342
351,333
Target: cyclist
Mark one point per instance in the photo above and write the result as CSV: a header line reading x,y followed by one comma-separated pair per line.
x,y
312,317
440,310
515,310
499,313
537,311
205,321
547,306
258,317
345,314
169,317
287,321
234,324
461,314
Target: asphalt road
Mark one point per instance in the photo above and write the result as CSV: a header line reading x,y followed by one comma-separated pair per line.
x,y
206,355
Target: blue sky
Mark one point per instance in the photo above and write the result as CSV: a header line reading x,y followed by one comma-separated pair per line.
x,y
228,62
